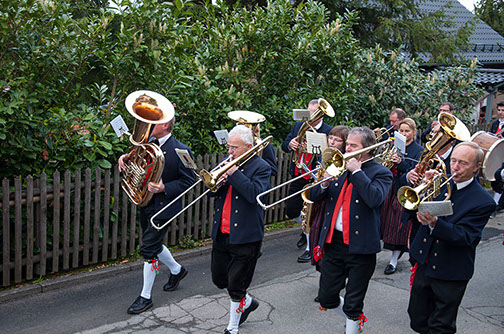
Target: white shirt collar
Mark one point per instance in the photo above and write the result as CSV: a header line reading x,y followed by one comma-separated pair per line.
x,y
163,140
464,184
318,125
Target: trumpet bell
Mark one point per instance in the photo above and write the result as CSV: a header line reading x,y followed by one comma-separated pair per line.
x,y
326,107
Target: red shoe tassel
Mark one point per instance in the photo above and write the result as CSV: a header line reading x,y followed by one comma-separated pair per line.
x,y
241,307
322,308
412,276
361,320
155,266
318,252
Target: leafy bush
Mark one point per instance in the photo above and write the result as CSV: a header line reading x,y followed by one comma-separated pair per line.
x,y
65,76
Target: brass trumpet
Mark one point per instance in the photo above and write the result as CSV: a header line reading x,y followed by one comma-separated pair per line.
x,y
324,109
333,163
212,180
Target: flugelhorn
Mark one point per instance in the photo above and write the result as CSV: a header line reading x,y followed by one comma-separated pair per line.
x,y
333,162
410,198
146,160
324,109
212,179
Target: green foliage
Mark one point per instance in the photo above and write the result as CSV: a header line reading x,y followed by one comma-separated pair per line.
x,y
492,13
388,81
187,242
69,65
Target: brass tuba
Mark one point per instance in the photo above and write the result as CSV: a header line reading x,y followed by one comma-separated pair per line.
x,y
250,119
146,160
324,109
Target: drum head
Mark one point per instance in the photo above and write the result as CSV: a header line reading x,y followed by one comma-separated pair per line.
x,y
494,158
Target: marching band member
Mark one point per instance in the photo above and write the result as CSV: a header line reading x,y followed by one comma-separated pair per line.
x,y
393,231
175,179
350,236
498,185
444,247
238,227
295,204
498,125
396,116
447,107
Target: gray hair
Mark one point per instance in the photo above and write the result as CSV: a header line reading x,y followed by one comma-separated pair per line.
x,y
244,132
368,137
314,101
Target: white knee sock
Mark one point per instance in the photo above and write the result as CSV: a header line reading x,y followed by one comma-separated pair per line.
x,y
307,241
394,258
234,317
149,276
248,301
299,219
339,309
166,257
352,326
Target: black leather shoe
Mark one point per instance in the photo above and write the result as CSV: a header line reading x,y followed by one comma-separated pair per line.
x,y
304,258
174,280
254,304
302,241
227,332
390,269
316,300
140,305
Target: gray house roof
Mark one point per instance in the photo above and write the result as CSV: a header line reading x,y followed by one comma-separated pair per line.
x,y
486,43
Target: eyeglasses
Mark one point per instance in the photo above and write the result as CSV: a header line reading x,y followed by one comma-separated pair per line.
x,y
234,148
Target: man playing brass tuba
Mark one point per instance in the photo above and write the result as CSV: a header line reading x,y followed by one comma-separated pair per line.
x,y
175,179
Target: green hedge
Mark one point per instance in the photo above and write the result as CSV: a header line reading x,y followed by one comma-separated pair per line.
x,y
64,79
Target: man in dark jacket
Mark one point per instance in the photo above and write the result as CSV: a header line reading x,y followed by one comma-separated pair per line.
x,y
174,180
350,234
238,227
295,144
444,247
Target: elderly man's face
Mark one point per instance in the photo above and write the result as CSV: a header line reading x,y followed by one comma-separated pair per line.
x,y
463,162
237,147
445,108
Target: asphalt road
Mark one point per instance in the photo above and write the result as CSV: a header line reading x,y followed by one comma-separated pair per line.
x,y
98,302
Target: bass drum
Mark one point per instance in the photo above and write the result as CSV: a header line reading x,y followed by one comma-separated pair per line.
x,y
494,152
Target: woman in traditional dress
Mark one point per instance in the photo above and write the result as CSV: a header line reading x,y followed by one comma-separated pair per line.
x,y
394,233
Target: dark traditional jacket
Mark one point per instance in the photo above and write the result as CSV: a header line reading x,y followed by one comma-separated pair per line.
x,y
370,187
448,251
247,217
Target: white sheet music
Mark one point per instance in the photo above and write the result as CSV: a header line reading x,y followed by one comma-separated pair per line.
x,y
300,114
186,158
119,126
316,143
400,142
222,136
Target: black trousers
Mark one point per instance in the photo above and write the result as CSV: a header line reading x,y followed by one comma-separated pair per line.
x,y
294,205
337,266
434,303
233,265
152,239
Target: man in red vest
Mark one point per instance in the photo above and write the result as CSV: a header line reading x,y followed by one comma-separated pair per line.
x,y
238,227
350,235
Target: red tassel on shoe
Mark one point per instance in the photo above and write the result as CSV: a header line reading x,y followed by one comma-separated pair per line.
x,y
241,307
317,253
412,276
361,320
322,308
155,266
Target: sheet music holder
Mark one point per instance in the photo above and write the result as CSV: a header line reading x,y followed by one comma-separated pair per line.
x,y
436,208
222,136
316,143
400,142
119,126
300,114
186,158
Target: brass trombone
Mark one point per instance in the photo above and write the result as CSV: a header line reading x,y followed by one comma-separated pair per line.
x,y
212,180
333,162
